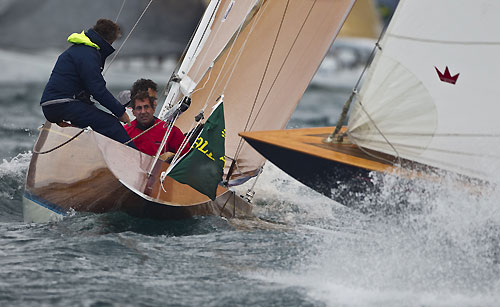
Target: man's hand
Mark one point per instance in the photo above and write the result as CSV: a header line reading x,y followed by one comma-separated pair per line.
x,y
124,118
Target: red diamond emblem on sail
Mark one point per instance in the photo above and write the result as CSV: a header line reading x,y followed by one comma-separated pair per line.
x,y
446,76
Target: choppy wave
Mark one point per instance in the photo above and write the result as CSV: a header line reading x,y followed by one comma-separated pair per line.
x,y
12,175
433,244
441,249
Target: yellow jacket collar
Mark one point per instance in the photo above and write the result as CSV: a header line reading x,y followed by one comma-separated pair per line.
x,y
81,38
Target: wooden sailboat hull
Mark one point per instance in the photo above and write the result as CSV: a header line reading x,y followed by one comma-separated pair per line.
x,y
336,170
92,173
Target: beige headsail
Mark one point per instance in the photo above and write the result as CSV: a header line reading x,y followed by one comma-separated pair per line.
x,y
263,69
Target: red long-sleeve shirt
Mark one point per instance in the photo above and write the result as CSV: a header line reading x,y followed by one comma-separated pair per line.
x,y
150,141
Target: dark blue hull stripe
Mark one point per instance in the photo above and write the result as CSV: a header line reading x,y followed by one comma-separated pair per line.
x,y
45,203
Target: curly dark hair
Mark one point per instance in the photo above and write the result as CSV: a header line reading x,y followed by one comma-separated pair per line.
x,y
107,29
142,85
142,95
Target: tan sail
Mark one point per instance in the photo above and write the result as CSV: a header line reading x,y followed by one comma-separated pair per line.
x,y
363,21
264,54
265,69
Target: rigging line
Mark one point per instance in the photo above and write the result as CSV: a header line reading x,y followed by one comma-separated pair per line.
x,y
283,64
184,142
370,154
461,167
143,132
223,65
204,84
176,69
436,41
205,31
460,135
163,143
371,57
212,42
240,144
60,145
126,39
182,59
433,149
236,60
119,12
381,133
347,104
209,47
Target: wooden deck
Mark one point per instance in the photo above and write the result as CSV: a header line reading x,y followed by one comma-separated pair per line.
x,y
309,141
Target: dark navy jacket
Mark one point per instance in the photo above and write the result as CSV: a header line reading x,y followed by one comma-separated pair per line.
x,y
79,69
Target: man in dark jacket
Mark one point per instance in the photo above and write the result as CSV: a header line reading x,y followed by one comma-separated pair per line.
x,y
77,75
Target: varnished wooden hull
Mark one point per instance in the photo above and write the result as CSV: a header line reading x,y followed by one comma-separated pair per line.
x,y
93,173
343,171
338,171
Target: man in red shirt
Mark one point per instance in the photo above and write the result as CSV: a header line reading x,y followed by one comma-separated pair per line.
x,y
143,108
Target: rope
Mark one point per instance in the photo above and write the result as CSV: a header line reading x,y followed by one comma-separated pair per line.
x,y
283,64
379,131
208,78
183,144
222,68
347,104
163,142
126,39
240,144
135,137
211,43
235,62
181,58
240,52
59,146
372,155
224,207
118,16
342,118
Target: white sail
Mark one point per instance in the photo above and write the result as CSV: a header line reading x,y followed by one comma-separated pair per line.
x,y
263,68
431,95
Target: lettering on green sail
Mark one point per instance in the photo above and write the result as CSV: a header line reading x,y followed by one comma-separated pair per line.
x,y
200,144
223,159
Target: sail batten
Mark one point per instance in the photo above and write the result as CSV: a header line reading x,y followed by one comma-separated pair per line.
x,y
443,41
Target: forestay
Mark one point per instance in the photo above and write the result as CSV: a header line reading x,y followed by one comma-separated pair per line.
x,y
264,54
431,94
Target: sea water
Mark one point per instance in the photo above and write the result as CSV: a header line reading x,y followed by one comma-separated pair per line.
x,y
302,249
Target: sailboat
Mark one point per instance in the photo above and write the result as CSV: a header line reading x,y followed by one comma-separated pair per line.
x,y
351,51
428,107
256,57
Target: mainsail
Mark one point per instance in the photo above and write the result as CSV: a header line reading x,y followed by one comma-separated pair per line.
x,y
431,95
260,55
